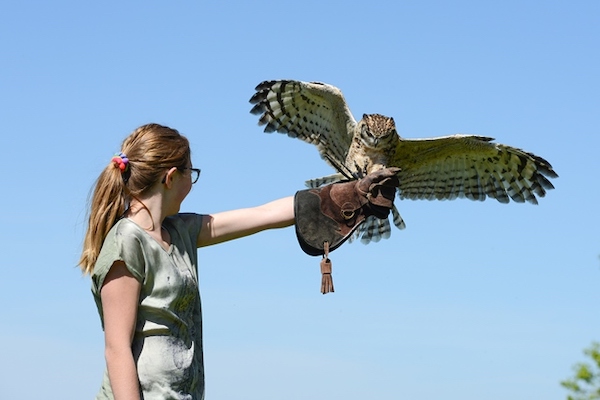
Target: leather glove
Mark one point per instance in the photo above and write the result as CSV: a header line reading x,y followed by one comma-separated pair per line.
x,y
332,213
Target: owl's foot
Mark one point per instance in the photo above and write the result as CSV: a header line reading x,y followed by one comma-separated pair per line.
x,y
360,172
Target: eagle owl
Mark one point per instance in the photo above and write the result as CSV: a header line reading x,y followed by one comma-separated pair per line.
x,y
447,167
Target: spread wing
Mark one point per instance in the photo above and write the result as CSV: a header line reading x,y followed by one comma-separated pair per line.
x,y
472,167
311,111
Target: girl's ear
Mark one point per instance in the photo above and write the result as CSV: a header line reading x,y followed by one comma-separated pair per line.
x,y
168,180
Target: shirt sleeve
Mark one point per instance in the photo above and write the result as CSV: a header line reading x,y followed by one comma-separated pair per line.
x,y
189,224
121,244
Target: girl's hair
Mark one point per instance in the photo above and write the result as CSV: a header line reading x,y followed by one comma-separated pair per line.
x,y
151,150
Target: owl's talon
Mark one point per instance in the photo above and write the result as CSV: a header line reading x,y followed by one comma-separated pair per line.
x,y
359,172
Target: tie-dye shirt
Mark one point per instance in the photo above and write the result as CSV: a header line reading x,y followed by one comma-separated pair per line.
x,y
167,344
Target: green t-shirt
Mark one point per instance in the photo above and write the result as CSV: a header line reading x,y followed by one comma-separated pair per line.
x,y
167,344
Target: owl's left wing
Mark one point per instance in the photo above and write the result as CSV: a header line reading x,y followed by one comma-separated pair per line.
x,y
314,112
472,167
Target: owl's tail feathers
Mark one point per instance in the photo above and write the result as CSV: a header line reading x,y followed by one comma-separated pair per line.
x,y
375,229
397,218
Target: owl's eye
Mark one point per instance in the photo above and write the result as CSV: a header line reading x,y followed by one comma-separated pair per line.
x,y
365,131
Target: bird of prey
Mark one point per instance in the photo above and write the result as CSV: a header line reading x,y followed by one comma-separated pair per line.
x,y
448,167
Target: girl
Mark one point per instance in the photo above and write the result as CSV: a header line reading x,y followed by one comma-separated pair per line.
x,y
141,255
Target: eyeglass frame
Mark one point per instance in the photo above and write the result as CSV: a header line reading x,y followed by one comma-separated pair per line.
x,y
196,170
181,169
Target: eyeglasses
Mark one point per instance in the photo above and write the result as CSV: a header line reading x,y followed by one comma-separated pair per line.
x,y
194,172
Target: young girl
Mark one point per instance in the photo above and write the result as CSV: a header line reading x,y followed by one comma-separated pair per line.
x,y
141,255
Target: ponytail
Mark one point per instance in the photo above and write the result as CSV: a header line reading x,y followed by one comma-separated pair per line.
x,y
107,207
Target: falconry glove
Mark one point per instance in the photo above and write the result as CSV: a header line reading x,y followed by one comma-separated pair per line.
x,y
327,216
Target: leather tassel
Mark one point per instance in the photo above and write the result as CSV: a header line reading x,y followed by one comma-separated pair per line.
x,y
326,280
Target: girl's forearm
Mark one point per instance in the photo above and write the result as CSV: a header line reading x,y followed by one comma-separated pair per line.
x,y
122,374
230,225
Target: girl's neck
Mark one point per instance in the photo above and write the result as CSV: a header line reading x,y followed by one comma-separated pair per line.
x,y
147,213
149,216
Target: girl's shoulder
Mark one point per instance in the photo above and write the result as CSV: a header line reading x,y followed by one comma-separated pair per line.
x,y
124,228
126,241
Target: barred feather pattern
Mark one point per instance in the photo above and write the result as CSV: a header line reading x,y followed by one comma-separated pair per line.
x,y
442,168
472,167
310,111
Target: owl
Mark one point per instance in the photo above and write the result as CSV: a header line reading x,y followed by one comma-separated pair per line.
x,y
442,168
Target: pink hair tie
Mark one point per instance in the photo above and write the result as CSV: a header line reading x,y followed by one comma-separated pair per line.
x,y
121,161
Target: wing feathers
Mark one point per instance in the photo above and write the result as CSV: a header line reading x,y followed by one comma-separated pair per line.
x,y
311,111
472,167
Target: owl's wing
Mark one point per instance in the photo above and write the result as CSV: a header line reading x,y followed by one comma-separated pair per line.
x,y
472,167
314,112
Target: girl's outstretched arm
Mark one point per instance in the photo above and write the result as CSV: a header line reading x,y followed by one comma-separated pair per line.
x,y
229,225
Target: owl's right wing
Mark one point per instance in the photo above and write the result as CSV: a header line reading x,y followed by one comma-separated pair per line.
x,y
314,112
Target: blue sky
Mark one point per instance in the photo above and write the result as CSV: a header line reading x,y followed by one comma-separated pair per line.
x,y
474,300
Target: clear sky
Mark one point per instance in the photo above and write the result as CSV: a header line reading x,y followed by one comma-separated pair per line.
x,y
474,300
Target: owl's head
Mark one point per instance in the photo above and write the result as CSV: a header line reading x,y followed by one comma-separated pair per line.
x,y
377,131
